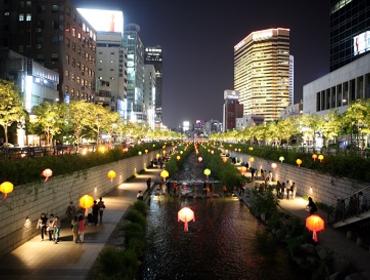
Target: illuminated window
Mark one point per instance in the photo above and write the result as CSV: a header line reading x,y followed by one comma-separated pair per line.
x,y
28,17
21,17
73,32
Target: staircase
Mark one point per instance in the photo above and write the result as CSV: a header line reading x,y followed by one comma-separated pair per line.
x,y
352,209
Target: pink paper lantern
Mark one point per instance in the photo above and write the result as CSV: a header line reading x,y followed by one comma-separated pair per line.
x,y
185,215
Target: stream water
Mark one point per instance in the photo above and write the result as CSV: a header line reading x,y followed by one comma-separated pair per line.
x,y
221,243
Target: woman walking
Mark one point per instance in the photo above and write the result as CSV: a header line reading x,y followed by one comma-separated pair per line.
x,y
56,226
41,225
74,227
81,229
50,228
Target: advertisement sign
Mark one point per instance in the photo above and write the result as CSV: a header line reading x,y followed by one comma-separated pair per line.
x,y
103,20
361,43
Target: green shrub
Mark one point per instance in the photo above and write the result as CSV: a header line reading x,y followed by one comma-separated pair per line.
x,y
135,216
110,261
141,207
22,171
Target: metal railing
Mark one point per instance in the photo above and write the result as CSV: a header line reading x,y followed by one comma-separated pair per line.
x,y
352,206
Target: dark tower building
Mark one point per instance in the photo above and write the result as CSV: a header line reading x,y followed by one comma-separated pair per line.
x,y
54,34
153,55
349,31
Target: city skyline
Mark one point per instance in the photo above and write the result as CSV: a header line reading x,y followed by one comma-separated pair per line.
x,y
196,71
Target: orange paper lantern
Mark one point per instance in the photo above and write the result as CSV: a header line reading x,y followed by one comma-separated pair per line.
x,y
185,215
200,159
6,188
298,162
321,158
47,173
315,224
314,157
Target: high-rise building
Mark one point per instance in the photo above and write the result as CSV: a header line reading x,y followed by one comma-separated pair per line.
x,y
262,72
154,56
54,34
291,79
150,93
349,31
111,75
231,109
135,73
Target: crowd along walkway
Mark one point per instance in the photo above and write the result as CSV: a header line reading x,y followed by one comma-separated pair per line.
x,y
39,260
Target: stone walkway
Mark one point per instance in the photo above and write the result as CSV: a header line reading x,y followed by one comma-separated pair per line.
x,y
38,259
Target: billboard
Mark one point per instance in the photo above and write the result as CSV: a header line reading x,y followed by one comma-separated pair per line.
x,y
361,43
103,20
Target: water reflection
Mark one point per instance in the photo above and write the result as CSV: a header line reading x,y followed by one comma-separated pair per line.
x,y
220,244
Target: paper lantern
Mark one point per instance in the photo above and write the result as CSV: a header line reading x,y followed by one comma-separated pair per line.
x,y
250,148
212,152
86,202
6,188
281,158
164,174
314,157
153,145
181,152
164,152
298,162
139,153
111,175
239,150
178,157
315,224
200,159
273,165
101,149
207,172
185,215
47,173
146,151
242,169
157,156
321,158
251,159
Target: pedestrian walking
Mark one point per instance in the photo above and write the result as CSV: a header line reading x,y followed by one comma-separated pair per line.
x,y
81,229
42,224
57,227
253,171
50,227
148,183
362,202
74,228
95,212
140,195
311,206
101,209
71,211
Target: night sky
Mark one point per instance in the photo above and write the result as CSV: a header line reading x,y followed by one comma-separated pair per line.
x,y
198,38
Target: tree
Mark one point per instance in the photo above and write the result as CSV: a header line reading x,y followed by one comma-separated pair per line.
x,y
50,119
78,112
11,110
331,126
356,120
310,125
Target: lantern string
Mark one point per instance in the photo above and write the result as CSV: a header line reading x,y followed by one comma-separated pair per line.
x,y
314,236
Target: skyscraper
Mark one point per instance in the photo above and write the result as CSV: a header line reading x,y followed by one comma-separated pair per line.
x,y
150,93
54,34
262,72
349,31
135,73
154,56
111,77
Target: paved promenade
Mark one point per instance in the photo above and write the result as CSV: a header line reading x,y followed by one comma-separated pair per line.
x,y
38,259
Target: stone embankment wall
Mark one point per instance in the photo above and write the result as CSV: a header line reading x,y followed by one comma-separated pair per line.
x,y
321,187
20,211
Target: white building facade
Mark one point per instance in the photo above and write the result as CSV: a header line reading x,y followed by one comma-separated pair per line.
x,y
339,88
150,94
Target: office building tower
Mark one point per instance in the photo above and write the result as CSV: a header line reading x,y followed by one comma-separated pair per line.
x,y
55,35
349,31
231,109
154,56
111,75
150,94
262,72
135,73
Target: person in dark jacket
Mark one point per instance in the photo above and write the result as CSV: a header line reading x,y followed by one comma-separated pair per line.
x,y
95,212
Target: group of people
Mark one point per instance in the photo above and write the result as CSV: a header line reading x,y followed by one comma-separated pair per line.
x,y
51,226
355,205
